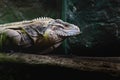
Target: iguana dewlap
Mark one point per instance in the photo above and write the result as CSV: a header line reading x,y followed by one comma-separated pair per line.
x,y
40,34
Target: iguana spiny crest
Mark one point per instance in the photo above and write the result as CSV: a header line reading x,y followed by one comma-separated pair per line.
x,y
40,33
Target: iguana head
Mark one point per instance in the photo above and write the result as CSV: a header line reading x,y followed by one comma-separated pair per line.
x,y
58,30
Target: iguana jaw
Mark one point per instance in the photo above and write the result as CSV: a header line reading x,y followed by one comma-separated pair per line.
x,y
68,32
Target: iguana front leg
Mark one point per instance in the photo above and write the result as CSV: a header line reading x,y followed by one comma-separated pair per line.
x,y
50,49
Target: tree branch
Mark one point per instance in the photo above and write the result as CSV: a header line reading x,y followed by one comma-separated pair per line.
x,y
109,65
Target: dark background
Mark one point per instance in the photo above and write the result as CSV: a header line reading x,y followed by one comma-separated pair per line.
x,y
97,19
99,24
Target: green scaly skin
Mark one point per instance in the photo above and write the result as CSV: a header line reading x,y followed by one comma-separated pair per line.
x,y
40,34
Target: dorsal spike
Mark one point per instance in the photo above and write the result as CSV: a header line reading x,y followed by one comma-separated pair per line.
x,y
42,18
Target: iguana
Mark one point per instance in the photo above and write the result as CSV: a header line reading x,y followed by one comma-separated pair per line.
x,y
40,34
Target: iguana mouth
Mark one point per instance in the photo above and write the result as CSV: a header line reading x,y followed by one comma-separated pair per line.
x,y
68,33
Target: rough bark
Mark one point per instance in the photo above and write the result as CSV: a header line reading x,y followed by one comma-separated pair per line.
x,y
110,65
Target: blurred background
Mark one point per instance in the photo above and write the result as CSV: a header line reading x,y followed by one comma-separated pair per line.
x,y
99,21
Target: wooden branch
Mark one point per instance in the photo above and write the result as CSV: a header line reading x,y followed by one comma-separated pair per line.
x,y
109,65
